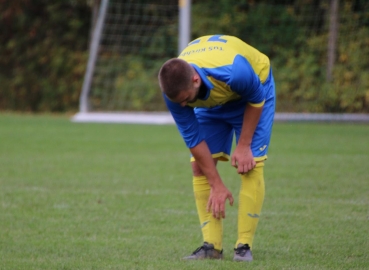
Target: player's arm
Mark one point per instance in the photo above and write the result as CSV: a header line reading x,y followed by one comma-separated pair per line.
x,y
247,84
188,127
242,157
219,192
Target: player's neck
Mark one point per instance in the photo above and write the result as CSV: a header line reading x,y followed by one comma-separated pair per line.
x,y
202,91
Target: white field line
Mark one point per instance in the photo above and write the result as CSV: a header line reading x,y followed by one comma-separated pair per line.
x,y
162,118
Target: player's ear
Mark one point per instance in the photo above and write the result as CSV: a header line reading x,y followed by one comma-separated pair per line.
x,y
196,80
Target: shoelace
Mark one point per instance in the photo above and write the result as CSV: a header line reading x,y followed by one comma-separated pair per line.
x,y
203,247
242,249
197,250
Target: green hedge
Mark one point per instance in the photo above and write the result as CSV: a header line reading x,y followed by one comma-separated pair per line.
x,y
294,35
44,51
43,54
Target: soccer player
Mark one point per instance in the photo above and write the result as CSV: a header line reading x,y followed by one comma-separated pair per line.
x,y
220,87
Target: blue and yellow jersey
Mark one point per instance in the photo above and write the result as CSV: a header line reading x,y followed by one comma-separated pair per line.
x,y
230,69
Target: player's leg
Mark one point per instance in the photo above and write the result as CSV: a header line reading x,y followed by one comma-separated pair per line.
x,y
218,136
211,228
251,198
252,188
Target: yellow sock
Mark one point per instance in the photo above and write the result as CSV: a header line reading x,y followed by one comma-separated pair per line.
x,y
251,200
212,228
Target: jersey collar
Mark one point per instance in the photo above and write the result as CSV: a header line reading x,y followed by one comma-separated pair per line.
x,y
204,80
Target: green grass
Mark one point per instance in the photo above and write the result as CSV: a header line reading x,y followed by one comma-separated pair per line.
x,y
109,196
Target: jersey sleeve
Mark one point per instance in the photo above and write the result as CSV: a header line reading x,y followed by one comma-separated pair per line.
x,y
186,122
245,82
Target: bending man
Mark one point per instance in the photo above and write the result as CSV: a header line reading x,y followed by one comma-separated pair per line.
x,y
220,87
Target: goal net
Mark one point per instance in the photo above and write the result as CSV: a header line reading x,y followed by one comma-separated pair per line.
x,y
315,48
130,41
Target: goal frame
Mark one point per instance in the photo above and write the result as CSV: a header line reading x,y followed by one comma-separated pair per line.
x,y
85,114
184,7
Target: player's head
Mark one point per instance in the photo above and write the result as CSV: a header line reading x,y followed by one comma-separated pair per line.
x,y
179,81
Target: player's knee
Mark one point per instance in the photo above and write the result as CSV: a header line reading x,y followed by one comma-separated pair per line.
x,y
196,171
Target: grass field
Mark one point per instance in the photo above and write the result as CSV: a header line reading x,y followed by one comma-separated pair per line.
x,y
109,196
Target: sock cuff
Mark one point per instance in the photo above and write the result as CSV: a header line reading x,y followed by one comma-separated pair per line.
x,y
200,183
200,179
259,164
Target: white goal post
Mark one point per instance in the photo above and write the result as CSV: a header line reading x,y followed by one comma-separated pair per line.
x,y
128,41
111,44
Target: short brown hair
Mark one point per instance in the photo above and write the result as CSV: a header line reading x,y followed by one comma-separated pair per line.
x,y
175,76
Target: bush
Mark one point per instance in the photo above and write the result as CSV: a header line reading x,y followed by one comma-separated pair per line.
x,y
44,54
44,48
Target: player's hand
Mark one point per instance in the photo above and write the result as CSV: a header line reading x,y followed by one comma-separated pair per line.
x,y
217,199
243,159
